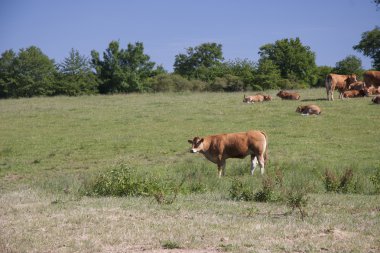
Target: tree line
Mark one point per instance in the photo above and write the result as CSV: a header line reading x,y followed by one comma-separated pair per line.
x,y
284,64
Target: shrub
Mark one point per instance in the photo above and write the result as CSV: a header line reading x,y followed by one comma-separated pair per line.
x,y
296,197
267,193
343,184
239,191
375,179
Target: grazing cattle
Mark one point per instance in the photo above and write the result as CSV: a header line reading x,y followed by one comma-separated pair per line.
x,y
218,148
372,78
376,100
354,93
256,98
288,95
340,82
309,109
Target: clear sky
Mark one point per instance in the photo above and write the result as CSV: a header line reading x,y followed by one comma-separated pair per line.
x,y
167,27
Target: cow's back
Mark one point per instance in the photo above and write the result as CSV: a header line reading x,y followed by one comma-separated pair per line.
x,y
372,78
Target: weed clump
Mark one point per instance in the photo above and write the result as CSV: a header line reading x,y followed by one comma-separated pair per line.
x,y
342,184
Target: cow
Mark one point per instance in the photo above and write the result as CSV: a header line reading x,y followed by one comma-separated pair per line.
x,y
288,95
371,90
376,100
354,93
372,78
256,98
358,85
340,82
218,148
309,109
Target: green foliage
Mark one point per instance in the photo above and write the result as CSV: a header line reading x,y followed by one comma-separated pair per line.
x,y
295,61
240,191
27,74
369,45
268,75
123,70
75,76
349,65
375,179
173,83
123,181
168,244
322,72
296,196
198,60
342,184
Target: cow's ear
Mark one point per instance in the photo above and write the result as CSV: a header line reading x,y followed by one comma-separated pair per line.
x,y
190,141
201,140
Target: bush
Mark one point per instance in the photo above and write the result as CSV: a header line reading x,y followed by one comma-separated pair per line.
x,y
375,179
296,196
239,191
343,184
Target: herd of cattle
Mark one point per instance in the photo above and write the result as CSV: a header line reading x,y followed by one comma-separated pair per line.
x,y
218,148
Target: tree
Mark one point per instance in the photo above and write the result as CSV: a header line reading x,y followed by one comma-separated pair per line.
x,y
123,70
268,75
75,76
349,65
29,73
322,72
6,73
295,61
369,45
198,61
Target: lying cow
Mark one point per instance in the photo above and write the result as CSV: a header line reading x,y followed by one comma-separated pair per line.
x,y
376,100
218,148
359,85
256,98
354,93
288,95
309,109
372,90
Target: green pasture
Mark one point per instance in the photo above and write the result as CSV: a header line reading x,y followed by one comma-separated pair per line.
x,y
68,136
53,149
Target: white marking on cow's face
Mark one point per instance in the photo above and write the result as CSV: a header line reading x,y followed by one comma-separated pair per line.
x,y
196,145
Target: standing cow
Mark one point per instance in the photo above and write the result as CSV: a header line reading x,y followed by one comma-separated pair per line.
x,y
218,148
372,78
339,82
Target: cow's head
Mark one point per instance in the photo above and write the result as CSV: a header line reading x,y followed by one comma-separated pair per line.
x,y
246,99
299,108
267,98
196,144
351,79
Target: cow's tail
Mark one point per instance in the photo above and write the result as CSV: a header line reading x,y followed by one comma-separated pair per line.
x,y
265,147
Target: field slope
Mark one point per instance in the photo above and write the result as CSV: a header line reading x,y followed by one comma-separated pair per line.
x,y
51,148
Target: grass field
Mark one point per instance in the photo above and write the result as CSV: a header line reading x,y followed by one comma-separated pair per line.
x,y
52,149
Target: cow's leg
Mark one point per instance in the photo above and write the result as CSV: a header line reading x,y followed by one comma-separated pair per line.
x,y
253,163
261,163
221,168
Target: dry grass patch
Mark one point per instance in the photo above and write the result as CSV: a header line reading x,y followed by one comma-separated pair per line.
x,y
34,222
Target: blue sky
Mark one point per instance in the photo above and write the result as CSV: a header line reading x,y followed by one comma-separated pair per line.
x,y
167,27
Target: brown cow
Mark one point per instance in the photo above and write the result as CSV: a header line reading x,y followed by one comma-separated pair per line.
x,y
288,95
354,93
340,82
372,78
359,85
218,148
256,98
376,100
372,90
309,109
